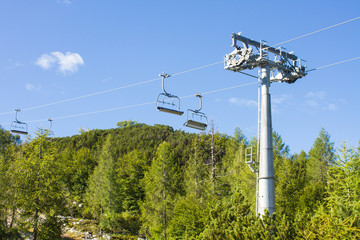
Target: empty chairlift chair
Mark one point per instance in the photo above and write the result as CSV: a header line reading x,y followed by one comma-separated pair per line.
x,y
195,118
50,132
167,102
18,126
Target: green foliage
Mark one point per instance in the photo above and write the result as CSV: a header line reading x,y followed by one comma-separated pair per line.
x,y
161,184
36,181
189,218
321,157
50,229
344,184
196,177
290,184
101,195
7,140
324,225
129,123
151,181
239,136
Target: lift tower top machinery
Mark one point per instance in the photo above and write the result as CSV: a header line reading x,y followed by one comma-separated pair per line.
x,y
285,67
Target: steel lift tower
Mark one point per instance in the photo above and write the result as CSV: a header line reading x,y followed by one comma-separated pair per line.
x,y
285,67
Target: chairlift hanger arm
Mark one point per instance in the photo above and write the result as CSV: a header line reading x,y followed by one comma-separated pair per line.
x,y
200,97
16,112
165,75
248,41
50,120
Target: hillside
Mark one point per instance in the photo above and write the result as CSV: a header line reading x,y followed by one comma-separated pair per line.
x,y
154,182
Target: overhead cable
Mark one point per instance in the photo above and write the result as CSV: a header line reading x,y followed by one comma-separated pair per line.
x,y
332,64
110,90
187,71
134,105
317,31
188,96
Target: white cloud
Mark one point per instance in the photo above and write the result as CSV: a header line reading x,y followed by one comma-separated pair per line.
x,y
318,100
243,102
31,87
105,80
67,63
66,2
45,61
312,103
281,99
318,95
331,107
314,99
13,64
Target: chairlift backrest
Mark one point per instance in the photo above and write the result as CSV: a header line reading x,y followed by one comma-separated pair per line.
x,y
167,102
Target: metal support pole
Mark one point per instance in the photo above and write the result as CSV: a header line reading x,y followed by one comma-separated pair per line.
x,y
266,164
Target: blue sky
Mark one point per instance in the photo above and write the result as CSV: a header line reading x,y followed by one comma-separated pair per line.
x,y
53,50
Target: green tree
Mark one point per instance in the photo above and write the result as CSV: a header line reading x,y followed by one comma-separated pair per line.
x,y
189,218
124,124
101,195
321,157
324,225
240,176
78,166
131,169
8,148
37,177
231,219
162,185
239,136
344,184
289,189
196,172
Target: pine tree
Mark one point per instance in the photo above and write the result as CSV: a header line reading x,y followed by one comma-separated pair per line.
x,y
161,184
196,172
344,184
321,157
291,180
130,172
101,194
37,177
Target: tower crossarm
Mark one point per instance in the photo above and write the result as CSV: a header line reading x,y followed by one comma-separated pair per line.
x,y
256,44
286,67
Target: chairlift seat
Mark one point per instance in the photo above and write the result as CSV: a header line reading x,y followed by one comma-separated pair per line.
x,y
19,131
18,127
169,110
195,124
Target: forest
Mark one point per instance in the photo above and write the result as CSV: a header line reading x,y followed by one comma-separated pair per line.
x,y
154,182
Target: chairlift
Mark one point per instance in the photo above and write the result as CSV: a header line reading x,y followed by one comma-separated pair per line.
x,y
18,126
195,118
50,132
167,102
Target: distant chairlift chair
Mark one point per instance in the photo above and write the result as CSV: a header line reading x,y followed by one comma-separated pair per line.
x,y
18,126
167,102
50,132
195,118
